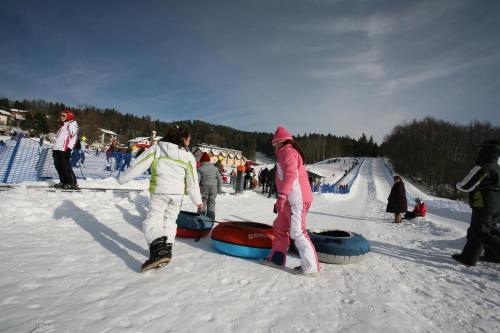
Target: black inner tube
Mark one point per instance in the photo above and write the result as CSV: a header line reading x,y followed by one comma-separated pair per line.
x,y
333,233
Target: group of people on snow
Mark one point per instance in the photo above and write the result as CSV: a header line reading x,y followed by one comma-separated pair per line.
x,y
482,184
174,174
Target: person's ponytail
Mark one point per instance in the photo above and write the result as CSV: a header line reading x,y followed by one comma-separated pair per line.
x,y
296,147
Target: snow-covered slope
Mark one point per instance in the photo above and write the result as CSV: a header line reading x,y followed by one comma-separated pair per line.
x,y
70,263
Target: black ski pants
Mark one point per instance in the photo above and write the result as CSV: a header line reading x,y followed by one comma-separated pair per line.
x,y
482,234
63,166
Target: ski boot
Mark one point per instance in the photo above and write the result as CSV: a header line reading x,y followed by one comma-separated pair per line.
x,y
160,254
277,260
299,271
489,257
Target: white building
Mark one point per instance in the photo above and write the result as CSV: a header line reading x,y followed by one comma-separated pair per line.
x,y
230,157
107,136
4,117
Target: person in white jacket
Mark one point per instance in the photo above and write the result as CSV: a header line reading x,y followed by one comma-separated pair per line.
x,y
173,175
61,151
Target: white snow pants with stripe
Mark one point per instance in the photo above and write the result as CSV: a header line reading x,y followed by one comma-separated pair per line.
x,y
162,217
291,223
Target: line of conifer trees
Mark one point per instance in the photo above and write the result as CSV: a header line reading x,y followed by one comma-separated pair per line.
x,y
316,147
435,152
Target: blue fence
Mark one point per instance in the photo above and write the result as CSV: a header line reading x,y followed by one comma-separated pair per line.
x,y
25,159
339,187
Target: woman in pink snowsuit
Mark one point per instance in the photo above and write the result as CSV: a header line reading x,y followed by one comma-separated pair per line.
x,y
294,199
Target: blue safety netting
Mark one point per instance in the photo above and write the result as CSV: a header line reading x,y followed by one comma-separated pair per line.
x,y
24,159
341,186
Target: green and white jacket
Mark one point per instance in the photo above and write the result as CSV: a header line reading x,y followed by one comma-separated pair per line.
x,y
173,171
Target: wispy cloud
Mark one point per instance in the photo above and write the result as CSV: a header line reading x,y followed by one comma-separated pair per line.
x,y
435,72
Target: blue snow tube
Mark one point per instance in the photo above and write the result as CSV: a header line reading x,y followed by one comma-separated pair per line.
x,y
240,250
193,225
339,247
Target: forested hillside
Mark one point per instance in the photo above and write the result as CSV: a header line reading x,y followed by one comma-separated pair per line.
x,y
315,147
435,152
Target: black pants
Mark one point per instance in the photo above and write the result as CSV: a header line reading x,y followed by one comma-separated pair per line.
x,y
482,234
410,215
63,166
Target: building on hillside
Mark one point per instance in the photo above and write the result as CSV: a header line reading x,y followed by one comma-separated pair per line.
x,y
231,158
143,141
4,121
315,177
17,116
107,136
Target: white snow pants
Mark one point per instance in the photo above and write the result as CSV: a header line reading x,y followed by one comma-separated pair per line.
x,y
162,217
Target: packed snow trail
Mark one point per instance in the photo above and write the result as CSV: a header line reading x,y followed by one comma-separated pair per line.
x,y
71,262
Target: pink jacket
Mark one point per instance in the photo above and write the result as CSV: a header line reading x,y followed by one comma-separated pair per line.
x,y
291,176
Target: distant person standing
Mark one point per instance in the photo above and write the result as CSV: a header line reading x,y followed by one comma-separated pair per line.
x,y
61,151
483,185
397,203
210,185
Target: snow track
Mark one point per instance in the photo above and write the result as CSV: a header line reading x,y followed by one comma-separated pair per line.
x,y
71,262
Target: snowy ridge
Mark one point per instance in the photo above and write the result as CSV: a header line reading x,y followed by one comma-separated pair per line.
x,y
71,261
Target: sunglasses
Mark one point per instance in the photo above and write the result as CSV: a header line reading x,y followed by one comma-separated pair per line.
x,y
62,115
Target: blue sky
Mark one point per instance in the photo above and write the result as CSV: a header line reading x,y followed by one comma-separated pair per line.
x,y
340,67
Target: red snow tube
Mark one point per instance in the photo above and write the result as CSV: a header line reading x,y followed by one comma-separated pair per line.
x,y
186,233
251,234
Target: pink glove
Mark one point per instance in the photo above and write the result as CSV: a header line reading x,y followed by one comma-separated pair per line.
x,y
280,203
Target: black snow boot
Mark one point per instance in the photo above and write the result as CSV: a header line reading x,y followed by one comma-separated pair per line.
x,y
489,257
277,260
160,254
470,254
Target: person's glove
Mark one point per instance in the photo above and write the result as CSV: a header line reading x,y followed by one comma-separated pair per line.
x,y
280,203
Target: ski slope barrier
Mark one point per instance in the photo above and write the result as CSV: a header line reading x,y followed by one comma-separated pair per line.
x,y
29,159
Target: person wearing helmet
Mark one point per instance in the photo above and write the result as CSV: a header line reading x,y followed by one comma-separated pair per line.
x,y
483,185
61,151
420,209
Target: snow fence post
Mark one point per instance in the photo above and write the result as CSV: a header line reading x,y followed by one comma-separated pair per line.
x,y
13,157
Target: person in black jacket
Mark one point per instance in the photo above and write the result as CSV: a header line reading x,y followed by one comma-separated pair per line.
x,y
483,185
397,203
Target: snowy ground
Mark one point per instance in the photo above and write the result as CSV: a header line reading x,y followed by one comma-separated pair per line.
x,y
71,261
332,172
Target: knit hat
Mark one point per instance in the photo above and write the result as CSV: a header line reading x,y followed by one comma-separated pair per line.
x,y
205,157
281,135
69,115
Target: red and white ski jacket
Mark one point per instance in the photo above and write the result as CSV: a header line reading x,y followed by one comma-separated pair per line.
x,y
66,136
420,209
291,176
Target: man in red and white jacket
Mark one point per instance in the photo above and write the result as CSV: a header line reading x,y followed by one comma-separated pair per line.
x,y
61,151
